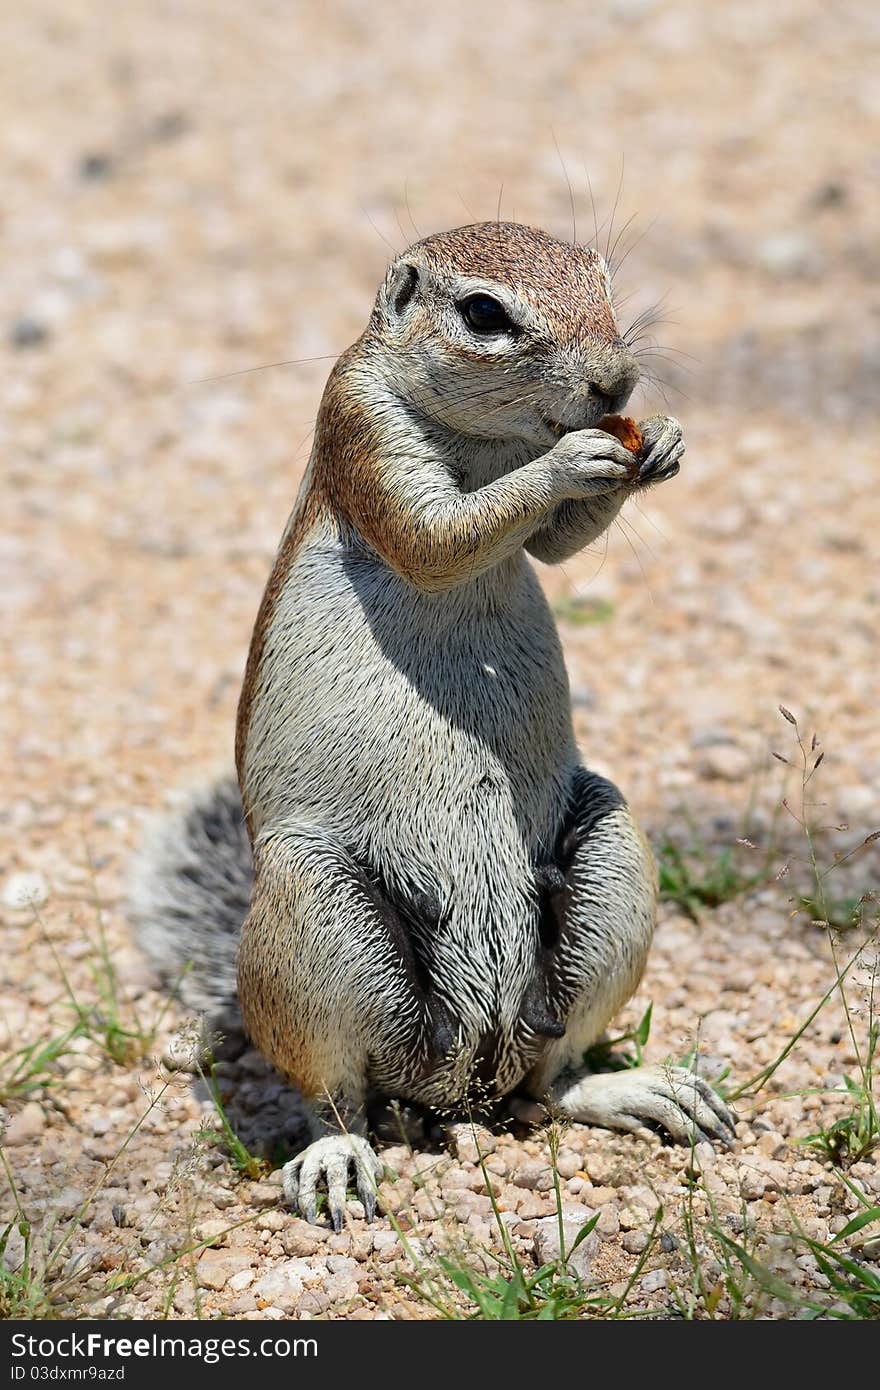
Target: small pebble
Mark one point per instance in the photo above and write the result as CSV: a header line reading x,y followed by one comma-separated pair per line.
x,y
25,890
547,1246
28,333
27,1125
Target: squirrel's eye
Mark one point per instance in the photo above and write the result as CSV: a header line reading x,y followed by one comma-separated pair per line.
x,y
484,314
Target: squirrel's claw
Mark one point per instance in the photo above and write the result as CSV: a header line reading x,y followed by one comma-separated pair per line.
x,y
366,1190
329,1161
662,449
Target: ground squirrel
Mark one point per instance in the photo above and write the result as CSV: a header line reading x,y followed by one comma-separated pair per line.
x,y
441,894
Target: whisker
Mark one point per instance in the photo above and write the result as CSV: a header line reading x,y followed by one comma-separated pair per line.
x,y
403,235
595,214
657,384
266,366
570,189
610,257
308,434
619,523
651,522
648,318
409,210
643,332
381,235
632,246
624,521
666,350
620,301
606,538
614,209
661,387
648,354
472,397
469,210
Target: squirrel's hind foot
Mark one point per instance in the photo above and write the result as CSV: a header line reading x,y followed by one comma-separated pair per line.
x,y
668,1098
332,1161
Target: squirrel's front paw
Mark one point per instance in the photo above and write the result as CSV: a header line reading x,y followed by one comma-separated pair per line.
x,y
331,1161
587,463
662,447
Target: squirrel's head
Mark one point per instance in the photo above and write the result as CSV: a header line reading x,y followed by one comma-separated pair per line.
x,y
502,331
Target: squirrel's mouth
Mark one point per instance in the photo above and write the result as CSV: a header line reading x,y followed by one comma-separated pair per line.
x,y
589,420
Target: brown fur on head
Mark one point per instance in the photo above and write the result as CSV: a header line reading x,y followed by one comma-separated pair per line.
x,y
556,361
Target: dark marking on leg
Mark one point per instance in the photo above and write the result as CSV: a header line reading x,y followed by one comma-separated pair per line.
x,y
411,924
548,997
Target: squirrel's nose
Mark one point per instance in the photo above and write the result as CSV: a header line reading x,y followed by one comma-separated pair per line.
x,y
614,386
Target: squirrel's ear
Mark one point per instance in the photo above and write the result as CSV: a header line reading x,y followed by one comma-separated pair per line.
x,y
400,285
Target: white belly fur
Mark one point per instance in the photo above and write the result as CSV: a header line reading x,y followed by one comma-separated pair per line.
x,y
430,734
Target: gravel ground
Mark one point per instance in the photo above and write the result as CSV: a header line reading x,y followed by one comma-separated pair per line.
x,y
198,190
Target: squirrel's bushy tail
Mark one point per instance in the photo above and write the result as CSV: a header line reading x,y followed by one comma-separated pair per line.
x,y
190,893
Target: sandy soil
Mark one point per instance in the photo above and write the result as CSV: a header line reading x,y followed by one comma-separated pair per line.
x,y
197,190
